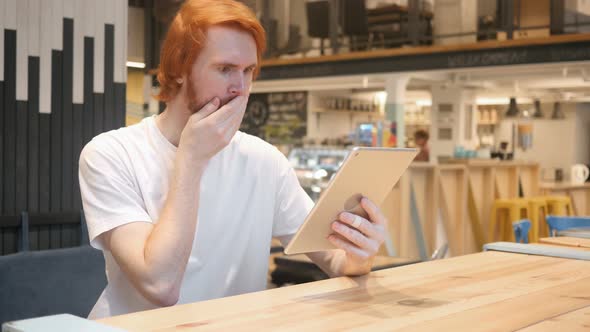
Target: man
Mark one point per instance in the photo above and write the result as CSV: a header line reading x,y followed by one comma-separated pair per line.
x,y
421,139
184,205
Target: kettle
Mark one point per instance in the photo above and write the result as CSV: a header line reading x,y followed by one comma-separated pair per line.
x,y
579,173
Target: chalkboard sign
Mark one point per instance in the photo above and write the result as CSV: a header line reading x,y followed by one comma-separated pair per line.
x,y
278,118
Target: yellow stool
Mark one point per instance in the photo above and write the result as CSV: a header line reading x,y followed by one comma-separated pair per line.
x,y
538,225
512,209
559,205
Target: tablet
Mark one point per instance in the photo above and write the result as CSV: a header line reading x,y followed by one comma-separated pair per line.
x,y
370,172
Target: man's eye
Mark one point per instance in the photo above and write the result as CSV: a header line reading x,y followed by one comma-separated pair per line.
x,y
249,70
225,69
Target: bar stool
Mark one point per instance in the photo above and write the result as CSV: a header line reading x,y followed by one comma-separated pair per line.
x,y
512,210
559,205
538,205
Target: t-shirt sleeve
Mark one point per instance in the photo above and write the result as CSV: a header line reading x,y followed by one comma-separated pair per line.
x,y
292,202
109,196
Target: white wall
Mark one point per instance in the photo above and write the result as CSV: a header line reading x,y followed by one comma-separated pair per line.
x,y
556,143
298,16
135,35
454,16
582,150
378,3
459,98
332,125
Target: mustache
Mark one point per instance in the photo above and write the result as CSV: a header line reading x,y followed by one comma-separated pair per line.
x,y
195,106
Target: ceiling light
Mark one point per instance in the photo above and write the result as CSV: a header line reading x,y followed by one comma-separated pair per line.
x,y
538,112
513,110
134,64
557,112
491,101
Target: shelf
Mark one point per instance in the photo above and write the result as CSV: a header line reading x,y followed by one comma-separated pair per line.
x,y
486,123
323,110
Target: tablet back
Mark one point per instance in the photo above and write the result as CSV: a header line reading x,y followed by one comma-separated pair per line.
x,y
370,172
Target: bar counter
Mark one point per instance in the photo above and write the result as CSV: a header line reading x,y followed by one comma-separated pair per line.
x,y
457,195
579,194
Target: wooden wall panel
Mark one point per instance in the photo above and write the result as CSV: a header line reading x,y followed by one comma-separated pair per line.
x,y
98,99
9,130
33,136
120,75
66,116
56,129
88,95
77,144
45,39
99,47
2,27
44,162
2,143
109,85
78,61
57,90
120,93
21,189
22,49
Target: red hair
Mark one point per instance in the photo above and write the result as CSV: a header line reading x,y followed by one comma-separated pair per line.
x,y
187,33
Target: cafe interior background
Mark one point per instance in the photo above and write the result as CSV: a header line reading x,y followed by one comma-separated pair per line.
x,y
501,87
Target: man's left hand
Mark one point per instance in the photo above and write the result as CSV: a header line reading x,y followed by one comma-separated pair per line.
x,y
359,237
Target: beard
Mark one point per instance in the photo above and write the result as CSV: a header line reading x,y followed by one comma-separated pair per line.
x,y
194,104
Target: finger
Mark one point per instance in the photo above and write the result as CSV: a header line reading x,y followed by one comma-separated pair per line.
x,y
235,126
234,123
363,225
236,114
373,211
208,109
226,111
355,237
348,247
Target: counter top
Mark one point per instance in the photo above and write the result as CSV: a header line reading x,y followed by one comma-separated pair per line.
x,y
564,185
489,162
567,241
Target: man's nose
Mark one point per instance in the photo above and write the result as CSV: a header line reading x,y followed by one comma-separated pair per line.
x,y
237,86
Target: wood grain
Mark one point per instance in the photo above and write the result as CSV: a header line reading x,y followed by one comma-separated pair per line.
x,y
490,291
577,320
566,241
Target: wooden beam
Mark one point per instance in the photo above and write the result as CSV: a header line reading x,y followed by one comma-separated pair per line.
x,y
474,219
422,50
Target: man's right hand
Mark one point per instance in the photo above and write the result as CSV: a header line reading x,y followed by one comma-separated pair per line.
x,y
209,130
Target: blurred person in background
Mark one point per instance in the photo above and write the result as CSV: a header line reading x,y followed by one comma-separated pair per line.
x,y
421,139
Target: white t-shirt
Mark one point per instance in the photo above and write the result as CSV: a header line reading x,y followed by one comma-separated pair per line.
x,y
249,193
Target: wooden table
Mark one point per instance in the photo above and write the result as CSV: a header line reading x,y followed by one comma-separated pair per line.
x,y
488,291
577,320
575,232
297,269
567,241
